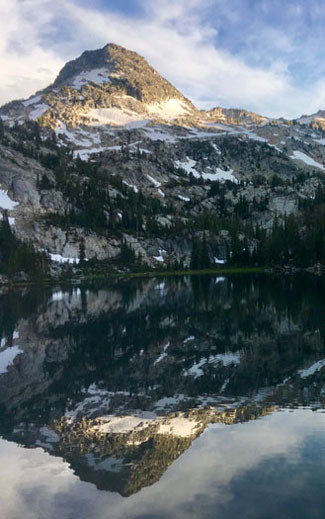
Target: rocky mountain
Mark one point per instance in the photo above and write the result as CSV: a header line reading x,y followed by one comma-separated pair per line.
x,y
111,154
316,121
111,86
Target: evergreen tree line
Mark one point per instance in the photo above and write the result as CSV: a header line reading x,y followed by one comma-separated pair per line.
x,y
17,256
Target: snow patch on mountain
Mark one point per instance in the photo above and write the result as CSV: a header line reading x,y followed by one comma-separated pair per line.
x,y
155,134
168,110
62,259
154,181
320,141
132,186
6,202
187,166
299,155
38,111
114,117
98,75
84,154
220,174
33,100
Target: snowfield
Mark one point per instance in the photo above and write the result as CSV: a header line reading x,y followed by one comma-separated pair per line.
x,y
97,75
168,110
38,111
188,166
61,259
115,117
32,100
6,202
299,155
219,175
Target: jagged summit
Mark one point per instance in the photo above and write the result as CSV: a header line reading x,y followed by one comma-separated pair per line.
x,y
103,91
109,86
121,68
236,116
316,120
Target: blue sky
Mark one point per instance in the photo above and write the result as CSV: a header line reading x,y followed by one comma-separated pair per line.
x,y
263,55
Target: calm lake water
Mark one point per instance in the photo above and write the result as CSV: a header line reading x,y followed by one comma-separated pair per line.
x,y
194,397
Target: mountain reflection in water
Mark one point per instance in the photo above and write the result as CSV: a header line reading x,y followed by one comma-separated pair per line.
x,y
119,381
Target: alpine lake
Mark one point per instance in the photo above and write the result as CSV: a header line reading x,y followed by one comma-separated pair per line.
x,y
170,397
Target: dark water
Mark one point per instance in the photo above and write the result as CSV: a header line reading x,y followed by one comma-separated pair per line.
x,y
197,397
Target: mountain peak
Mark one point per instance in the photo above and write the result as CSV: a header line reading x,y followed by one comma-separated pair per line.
x,y
121,68
109,86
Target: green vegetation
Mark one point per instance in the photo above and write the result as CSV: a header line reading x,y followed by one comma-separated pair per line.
x,y
19,257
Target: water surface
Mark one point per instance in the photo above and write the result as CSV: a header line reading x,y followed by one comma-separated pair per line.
x,y
185,397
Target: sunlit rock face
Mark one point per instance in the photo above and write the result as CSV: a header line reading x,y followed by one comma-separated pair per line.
x,y
120,380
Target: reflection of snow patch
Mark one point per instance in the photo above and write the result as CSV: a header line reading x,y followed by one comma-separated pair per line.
x,y
154,181
132,186
7,358
123,424
59,295
226,359
110,464
168,401
184,198
304,373
176,426
163,355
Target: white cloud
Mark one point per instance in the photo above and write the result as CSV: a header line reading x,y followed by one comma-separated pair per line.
x,y
177,38
25,65
32,482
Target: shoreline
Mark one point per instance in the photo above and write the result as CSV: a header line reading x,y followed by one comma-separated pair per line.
x,y
79,280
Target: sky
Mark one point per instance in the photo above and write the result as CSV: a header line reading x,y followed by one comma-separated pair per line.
x,y
263,55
